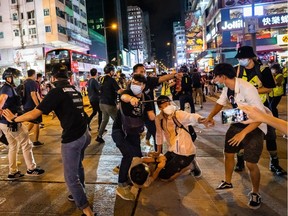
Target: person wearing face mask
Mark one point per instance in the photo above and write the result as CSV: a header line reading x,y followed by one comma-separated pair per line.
x,y
181,149
276,94
261,77
128,126
239,136
108,99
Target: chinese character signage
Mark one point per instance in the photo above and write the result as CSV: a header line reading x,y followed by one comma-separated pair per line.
x,y
274,20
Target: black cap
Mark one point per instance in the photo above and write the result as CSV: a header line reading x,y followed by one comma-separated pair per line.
x,y
108,68
60,71
245,52
184,69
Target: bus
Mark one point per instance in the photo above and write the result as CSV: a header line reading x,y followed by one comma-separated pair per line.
x,y
79,64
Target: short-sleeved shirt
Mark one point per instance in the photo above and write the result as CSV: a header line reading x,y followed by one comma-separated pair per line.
x,y
71,118
151,84
132,111
109,88
11,102
30,86
93,90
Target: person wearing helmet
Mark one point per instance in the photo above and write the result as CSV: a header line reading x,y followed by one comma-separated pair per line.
x,y
16,134
108,99
67,104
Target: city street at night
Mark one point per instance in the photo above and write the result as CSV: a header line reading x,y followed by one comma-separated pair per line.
x,y
186,196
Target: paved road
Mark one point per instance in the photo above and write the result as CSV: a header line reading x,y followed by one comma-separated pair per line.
x,y
187,196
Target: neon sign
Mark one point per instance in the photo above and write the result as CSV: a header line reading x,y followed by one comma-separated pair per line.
x,y
273,20
229,25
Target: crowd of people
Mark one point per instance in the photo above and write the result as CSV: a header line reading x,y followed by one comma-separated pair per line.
x,y
130,104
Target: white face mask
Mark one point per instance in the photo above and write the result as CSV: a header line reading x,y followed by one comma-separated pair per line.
x,y
243,62
273,71
136,89
170,109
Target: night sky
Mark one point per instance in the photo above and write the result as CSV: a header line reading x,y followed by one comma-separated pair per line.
x,y
162,15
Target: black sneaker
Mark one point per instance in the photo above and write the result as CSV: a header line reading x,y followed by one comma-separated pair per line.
x,y
225,186
196,171
35,172
16,175
70,198
100,140
37,144
254,201
278,170
240,164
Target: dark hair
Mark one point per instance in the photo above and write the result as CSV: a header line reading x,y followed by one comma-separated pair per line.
x,y
93,71
162,99
224,69
137,66
277,67
39,75
108,68
139,174
31,72
140,78
184,69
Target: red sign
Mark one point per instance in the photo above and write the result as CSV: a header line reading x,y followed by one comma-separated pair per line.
x,y
74,66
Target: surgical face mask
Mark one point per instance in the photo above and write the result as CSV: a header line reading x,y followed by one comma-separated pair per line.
x,y
136,89
243,62
220,85
170,109
16,81
273,71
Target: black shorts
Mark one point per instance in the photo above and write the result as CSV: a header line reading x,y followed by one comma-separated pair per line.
x,y
174,164
252,143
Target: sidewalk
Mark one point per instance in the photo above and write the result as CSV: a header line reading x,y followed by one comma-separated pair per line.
x,y
187,196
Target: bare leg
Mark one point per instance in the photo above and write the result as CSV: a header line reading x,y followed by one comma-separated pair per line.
x,y
229,166
88,211
254,173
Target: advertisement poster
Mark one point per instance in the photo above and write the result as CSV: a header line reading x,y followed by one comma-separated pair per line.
x,y
194,32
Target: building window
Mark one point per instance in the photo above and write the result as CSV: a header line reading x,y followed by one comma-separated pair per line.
x,y
29,0
13,1
1,34
32,31
16,33
14,16
47,28
0,18
46,12
22,16
23,32
31,14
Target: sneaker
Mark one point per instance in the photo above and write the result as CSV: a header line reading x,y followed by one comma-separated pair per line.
x,y
35,172
125,193
100,140
255,200
116,169
37,144
240,164
278,170
196,171
70,198
225,186
16,175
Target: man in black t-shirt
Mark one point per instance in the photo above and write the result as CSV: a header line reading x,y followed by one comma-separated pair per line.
x,y
108,99
127,127
94,96
67,104
31,101
261,77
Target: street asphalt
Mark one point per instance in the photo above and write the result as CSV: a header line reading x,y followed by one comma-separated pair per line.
x,y
186,196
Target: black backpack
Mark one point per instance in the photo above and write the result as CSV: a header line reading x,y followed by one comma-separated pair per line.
x,y
20,90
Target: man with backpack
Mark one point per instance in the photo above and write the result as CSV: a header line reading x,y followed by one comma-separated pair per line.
x,y
93,89
261,77
197,83
16,134
176,126
127,127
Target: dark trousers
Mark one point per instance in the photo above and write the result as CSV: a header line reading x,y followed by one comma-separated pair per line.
x,y
96,109
129,147
270,137
274,101
151,128
186,98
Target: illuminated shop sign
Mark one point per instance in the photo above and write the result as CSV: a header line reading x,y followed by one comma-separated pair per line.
x,y
232,25
273,20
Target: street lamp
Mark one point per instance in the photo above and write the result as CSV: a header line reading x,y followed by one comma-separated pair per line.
x,y
113,26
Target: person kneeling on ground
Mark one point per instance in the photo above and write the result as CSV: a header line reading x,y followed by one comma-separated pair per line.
x,y
173,124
